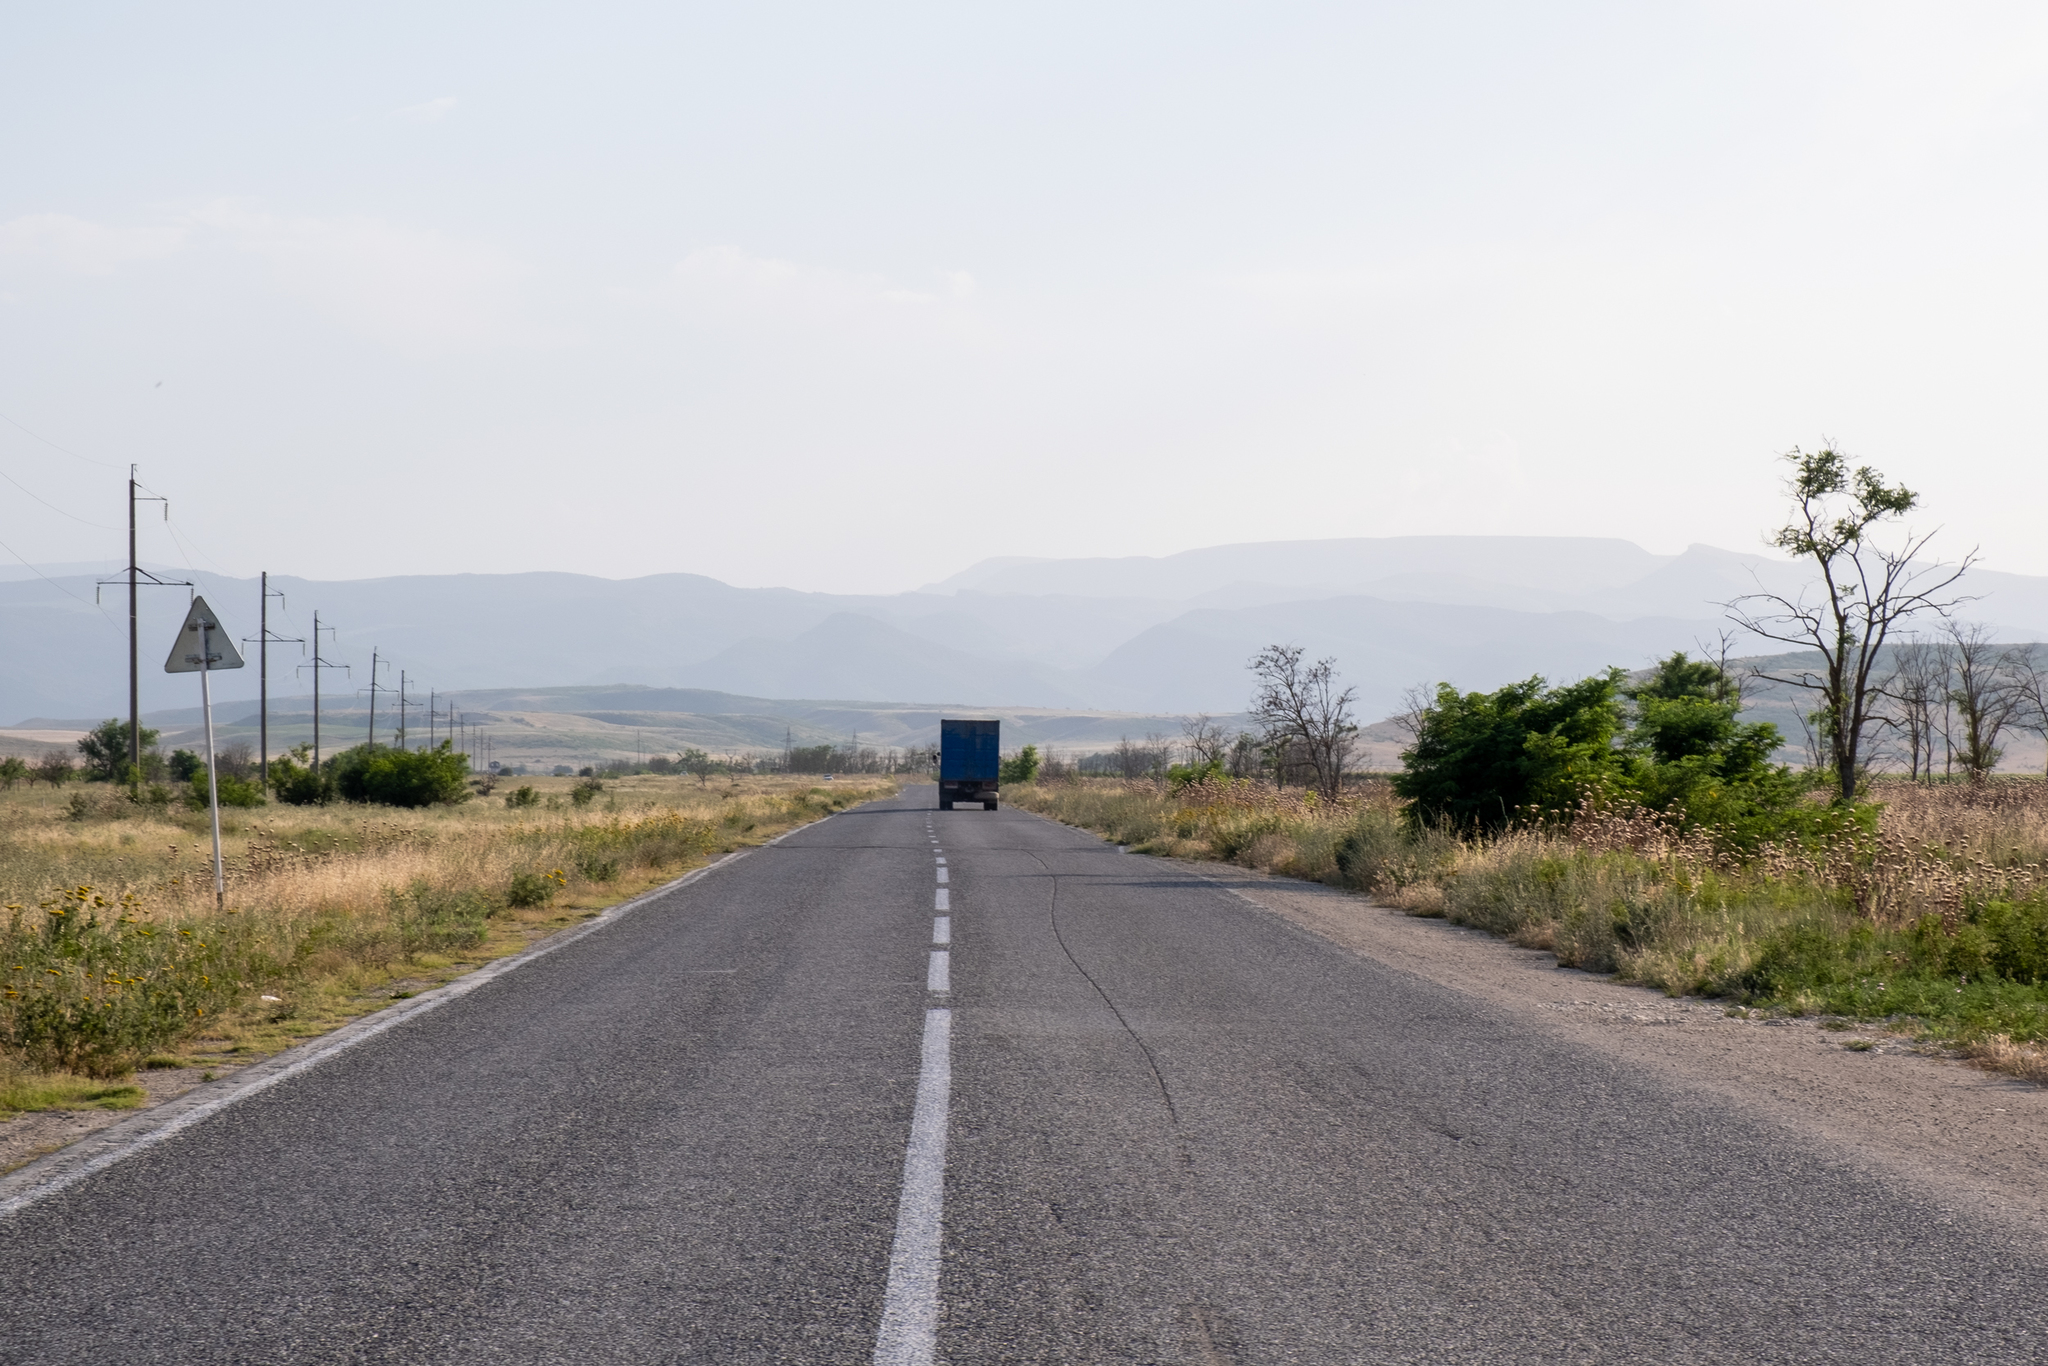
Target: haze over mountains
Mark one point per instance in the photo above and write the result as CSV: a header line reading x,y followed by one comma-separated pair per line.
x,y
1139,634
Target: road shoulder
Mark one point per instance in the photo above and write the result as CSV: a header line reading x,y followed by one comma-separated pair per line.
x,y
1974,1139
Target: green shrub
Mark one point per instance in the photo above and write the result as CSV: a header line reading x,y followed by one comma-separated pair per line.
x,y
430,918
1179,776
598,869
1381,852
585,790
297,784
1481,760
534,889
2016,935
92,989
13,769
523,796
1022,768
233,791
402,777
184,763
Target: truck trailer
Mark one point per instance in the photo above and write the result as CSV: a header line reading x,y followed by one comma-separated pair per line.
x,y
969,761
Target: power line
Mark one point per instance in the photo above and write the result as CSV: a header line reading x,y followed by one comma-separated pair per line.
x,y
52,582
100,526
103,464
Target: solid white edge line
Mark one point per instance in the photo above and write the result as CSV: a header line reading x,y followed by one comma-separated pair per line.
x,y
71,1164
942,929
942,902
910,1307
939,976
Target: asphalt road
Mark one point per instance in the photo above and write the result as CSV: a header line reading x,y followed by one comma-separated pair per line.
x,y
1176,1129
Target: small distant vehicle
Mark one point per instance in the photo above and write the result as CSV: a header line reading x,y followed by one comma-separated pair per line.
x,y
970,760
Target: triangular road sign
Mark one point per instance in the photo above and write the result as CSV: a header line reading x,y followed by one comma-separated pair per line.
x,y
202,629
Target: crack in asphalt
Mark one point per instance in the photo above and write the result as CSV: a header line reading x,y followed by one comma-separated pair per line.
x,y
1053,913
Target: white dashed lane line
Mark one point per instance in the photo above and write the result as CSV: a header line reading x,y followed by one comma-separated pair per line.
x,y
910,1306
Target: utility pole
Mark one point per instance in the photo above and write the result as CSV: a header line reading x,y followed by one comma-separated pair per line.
x,y
318,663
374,686
263,639
136,577
401,709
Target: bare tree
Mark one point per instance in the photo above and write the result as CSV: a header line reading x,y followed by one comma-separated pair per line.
x,y
1867,591
1303,713
1735,676
1985,692
1415,705
1917,689
1205,740
236,759
2030,680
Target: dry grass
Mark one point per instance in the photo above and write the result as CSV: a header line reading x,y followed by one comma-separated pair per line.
x,y
1998,1053
334,910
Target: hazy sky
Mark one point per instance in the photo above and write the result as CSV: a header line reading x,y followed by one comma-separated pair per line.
x,y
848,297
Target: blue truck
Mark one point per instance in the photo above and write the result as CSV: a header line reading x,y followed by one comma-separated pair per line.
x,y
969,761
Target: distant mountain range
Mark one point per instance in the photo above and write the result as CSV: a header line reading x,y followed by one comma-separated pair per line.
x,y
1131,635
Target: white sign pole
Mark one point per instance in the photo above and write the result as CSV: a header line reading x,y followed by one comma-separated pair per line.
x,y
200,622
220,886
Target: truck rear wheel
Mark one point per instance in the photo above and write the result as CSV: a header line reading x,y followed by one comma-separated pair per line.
x,y
945,806
991,805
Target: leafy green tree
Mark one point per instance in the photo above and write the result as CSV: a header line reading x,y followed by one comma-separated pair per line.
x,y
105,748
699,764
1866,590
184,763
1482,760
402,777
12,770
1689,755
1022,767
